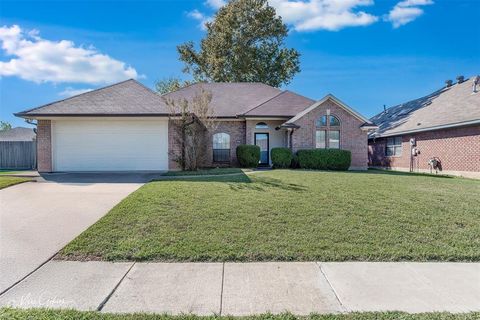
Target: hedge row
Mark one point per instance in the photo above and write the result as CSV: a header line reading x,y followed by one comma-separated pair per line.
x,y
319,159
324,159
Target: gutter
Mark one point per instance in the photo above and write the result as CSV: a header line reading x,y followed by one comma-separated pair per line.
x,y
440,127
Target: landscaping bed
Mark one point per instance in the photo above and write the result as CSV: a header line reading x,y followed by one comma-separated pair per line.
x,y
290,215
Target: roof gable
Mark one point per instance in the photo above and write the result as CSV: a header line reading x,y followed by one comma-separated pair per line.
x,y
124,98
334,99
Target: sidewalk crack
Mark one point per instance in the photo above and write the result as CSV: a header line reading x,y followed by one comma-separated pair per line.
x,y
345,309
102,304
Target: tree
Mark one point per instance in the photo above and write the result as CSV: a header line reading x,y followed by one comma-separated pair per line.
x,y
192,120
167,85
244,43
4,126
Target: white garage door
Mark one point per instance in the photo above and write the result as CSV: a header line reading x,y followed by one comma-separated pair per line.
x,y
109,145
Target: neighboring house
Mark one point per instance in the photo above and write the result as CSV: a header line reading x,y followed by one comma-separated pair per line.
x,y
126,126
18,134
444,126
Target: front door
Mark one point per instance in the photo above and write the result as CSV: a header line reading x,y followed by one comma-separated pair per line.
x,y
261,140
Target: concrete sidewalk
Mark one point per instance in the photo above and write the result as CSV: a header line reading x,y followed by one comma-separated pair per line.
x,y
250,288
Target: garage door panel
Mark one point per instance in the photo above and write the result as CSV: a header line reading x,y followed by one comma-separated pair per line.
x,y
110,145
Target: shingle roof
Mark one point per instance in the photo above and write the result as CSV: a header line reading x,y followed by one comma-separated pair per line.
x,y
125,98
229,99
452,106
18,134
284,104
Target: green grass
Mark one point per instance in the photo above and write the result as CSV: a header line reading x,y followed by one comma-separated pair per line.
x,y
286,215
214,171
50,314
6,182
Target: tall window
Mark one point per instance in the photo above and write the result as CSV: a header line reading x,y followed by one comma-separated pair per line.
x,y
394,146
328,132
221,147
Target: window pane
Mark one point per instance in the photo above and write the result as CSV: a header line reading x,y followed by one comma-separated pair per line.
x,y
334,122
398,150
261,125
320,139
221,141
390,151
398,141
390,142
322,122
334,142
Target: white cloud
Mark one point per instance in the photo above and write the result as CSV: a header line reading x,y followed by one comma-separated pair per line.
x,y
329,15
309,15
40,60
200,17
215,4
69,91
406,11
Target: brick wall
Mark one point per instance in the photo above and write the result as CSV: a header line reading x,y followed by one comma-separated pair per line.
x,y
458,150
236,130
352,138
44,146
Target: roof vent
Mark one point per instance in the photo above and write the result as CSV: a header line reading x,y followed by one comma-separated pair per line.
x,y
460,79
448,83
476,82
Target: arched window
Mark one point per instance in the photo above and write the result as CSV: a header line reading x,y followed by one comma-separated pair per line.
x,y
261,125
327,134
221,147
334,122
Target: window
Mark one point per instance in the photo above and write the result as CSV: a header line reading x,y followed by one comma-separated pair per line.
x,y
334,139
328,133
394,146
322,122
320,139
261,125
334,122
221,147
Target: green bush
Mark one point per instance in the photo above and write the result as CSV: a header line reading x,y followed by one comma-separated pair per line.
x,y
248,155
281,157
324,159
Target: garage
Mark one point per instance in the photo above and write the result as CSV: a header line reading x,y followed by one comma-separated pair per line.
x,y
109,144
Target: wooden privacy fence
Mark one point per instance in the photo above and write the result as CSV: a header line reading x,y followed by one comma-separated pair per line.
x,y
18,154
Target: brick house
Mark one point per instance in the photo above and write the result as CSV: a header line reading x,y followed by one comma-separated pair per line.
x,y
127,126
444,126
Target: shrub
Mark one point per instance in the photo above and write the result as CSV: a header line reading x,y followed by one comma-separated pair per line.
x,y
324,159
281,157
248,155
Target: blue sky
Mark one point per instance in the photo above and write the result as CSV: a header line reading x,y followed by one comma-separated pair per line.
x,y
366,52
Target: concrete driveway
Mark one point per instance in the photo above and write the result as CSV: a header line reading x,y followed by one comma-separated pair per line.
x,y
38,218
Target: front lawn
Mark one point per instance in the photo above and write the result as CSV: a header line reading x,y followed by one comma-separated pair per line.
x,y
17,314
10,181
287,215
202,172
